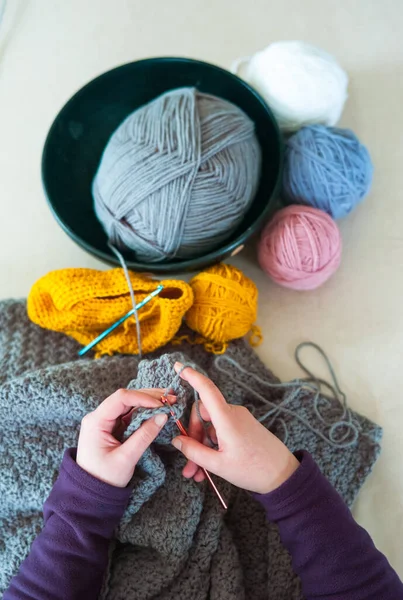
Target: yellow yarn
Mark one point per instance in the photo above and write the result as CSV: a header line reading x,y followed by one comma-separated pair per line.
x,y
224,308
83,302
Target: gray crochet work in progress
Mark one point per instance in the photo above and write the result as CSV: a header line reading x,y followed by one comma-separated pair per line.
x,y
175,542
177,176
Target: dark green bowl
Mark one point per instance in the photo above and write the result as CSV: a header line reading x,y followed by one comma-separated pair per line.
x,y
78,136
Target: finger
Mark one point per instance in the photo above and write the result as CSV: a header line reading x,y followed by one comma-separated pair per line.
x,y
170,397
154,392
211,436
123,422
119,429
198,453
204,412
122,402
200,476
135,446
127,417
190,469
195,429
197,432
211,397
197,472
157,393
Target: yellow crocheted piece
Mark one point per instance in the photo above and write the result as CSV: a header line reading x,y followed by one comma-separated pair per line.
x,y
224,308
82,303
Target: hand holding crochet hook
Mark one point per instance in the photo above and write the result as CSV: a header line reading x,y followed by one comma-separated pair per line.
x,y
248,456
100,450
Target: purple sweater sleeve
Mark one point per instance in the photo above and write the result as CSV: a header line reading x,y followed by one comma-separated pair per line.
x,y
334,557
68,558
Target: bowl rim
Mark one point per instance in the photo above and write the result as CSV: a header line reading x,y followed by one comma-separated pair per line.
x,y
191,264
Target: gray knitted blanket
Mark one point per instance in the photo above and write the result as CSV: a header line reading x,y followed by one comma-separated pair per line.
x,y
174,541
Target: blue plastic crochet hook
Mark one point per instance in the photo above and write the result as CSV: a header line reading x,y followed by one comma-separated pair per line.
x,y
103,335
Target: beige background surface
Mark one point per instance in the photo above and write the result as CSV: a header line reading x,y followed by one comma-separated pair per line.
x,y
56,46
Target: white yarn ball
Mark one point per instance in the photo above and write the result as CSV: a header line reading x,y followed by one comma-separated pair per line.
x,y
303,85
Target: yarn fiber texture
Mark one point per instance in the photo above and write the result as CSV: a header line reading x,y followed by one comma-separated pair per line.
x,y
301,84
177,176
300,248
83,302
224,307
327,168
174,542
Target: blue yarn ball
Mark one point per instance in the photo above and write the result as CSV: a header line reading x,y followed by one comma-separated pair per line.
x,y
327,168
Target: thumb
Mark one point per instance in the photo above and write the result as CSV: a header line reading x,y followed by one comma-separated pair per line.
x,y
198,453
135,446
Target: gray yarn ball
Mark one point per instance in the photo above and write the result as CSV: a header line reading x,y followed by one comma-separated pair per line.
x,y
177,176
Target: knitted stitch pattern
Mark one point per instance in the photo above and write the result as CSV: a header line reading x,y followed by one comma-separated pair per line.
x,y
83,302
174,541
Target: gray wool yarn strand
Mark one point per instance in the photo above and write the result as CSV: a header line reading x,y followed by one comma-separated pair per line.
x,y
177,176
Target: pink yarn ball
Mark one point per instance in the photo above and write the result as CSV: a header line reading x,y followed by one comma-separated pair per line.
x,y
300,247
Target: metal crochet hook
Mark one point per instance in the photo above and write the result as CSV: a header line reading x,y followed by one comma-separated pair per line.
x,y
183,431
103,335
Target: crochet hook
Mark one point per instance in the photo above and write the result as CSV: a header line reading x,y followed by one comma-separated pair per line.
x,y
103,335
183,431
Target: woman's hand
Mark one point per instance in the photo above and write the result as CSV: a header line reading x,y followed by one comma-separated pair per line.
x,y
100,451
249,456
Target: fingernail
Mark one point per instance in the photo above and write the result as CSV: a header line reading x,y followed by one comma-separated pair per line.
x,y
177,443
160,419
178,366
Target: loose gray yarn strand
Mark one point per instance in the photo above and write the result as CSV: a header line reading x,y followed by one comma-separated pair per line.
x,y
312,377
132,295
295,387
337,392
